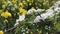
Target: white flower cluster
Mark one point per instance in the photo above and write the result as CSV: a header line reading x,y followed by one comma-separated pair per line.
x,y
57,7
34,10
25,30
49,12
21,18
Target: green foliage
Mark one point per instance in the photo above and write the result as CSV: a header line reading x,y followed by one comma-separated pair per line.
x,y
27,24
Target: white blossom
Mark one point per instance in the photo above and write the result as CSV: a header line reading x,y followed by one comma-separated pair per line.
x,y
34,10
27,31
44,15
37,19
57,9
26,28
22,30
39,10
46,27
21,17
9,2
57,4
50,12
16,22
23,33
31,11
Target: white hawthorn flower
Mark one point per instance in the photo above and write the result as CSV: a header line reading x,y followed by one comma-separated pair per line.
x,y
23,33
16,22
49,11
9,1
44,15
27,31
31,11
23,30
41,17
57,9
57,4
50,14
37,19
21,17
39,10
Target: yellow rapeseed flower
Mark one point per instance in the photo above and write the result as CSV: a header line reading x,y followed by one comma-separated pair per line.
x,y
24,2
3,6
6,14
31,32
20,4
30,0
4,2
15,5
44,3
23,11
13,1
40,31
1,32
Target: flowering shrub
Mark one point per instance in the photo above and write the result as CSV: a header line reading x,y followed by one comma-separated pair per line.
x,y
29,16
